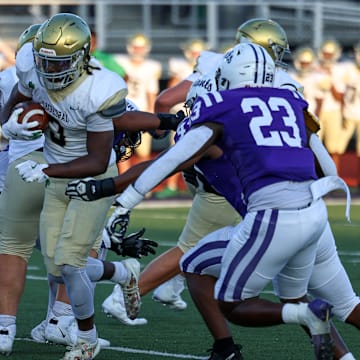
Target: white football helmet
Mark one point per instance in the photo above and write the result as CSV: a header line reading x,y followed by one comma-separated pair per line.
x,y
246,65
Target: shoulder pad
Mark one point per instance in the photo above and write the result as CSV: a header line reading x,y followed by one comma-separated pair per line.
x,y
115,110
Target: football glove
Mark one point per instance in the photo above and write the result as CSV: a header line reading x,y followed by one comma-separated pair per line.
x,y
170,121
31,171
14,130
89,189
134,245
116,226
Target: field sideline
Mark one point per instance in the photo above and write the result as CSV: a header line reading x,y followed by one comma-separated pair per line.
x,y
181,335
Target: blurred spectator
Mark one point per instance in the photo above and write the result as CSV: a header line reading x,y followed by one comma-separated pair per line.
x,y
104,58
351,103
304,71
179,69
332,88
143,76
7,55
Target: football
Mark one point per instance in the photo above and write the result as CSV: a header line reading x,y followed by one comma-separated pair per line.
x,y
33,112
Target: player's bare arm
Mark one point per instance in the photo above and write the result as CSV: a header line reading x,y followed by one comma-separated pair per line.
x,y
94,163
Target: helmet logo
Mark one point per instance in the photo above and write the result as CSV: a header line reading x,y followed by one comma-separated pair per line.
x,y
44,51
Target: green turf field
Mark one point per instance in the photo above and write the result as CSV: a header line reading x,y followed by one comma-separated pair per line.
x,y
182,335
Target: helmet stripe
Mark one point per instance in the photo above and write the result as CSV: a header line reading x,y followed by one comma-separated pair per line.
x,y
256,63
264,64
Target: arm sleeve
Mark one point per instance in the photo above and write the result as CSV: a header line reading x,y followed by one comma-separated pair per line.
x,y
184,149
326,163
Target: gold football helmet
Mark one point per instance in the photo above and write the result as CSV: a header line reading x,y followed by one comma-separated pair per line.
x,y
138,46
61,50
27,35
329,51
304,59
268,34
192,49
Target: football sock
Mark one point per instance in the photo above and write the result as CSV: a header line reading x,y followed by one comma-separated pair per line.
x,y
120,275
7,320
62,309
348,356
224,345
294,313
178,284
89,336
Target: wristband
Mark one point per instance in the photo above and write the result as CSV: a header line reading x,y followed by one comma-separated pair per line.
x,y
107,187
129,198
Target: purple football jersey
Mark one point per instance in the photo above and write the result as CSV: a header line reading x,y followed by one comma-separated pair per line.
x,y
264,139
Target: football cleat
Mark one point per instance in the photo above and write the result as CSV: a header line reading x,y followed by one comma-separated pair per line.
x,y
7,336
61,330
114,306
82,350
167,295
130,288
235,354
38,332
318,320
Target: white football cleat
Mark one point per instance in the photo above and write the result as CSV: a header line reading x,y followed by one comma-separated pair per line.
x,y
61,330
38,332
7,336
82,350
114,306
130,288
169,292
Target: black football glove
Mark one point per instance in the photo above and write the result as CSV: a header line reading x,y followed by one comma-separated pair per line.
x,y
134,245
170,121
89,189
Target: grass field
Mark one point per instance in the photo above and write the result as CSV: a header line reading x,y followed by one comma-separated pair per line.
x,y
182,335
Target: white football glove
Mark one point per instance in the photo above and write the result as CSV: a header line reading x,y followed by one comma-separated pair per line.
x,y
31,171
116,226
13,130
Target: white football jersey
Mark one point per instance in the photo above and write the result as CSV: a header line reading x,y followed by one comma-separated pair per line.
x,y
17,148
179,68
142,79
73,111
352,92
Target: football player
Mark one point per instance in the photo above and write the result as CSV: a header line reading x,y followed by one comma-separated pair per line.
x,y
64,79
215,143
253,30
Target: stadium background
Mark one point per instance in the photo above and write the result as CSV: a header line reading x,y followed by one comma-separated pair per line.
x,y
169,23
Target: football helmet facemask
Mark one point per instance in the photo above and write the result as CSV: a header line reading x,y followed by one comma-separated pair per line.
x,y
61,50
268,34
246,65
27,35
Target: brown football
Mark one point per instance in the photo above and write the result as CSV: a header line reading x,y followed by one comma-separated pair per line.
x,y
33,112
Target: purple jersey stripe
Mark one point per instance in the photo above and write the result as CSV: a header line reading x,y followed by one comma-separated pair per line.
x,y
260,253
